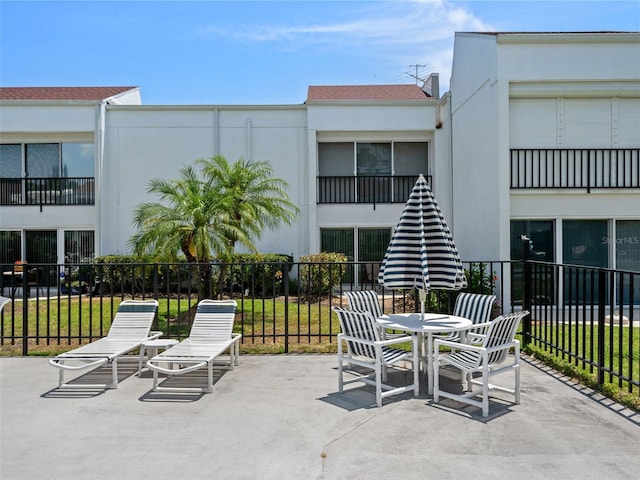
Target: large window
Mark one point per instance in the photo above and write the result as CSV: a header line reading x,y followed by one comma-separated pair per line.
x,y
365,245
538,244
47,173
584,242
369,172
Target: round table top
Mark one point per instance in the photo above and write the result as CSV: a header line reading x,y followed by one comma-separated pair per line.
x,y
427,323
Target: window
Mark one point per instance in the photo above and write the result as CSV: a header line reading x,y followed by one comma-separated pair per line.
x,y
373,159
42,160
627,247
78,246
541,239
584,242
539,247
372,245
10,248
335,159
54,174
369,249
385,172
78,160
10,161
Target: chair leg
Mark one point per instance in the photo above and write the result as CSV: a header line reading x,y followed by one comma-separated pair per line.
x,y
379,383
485,393
340,368
517,374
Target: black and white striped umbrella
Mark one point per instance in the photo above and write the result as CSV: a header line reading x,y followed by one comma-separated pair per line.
x,y
421,253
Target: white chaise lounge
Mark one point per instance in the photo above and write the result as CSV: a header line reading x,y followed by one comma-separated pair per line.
x,y
130,327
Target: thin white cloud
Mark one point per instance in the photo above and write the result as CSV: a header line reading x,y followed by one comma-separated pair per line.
x,y
397,33
384,23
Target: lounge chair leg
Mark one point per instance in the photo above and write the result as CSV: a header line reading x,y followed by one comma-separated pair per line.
x,y
114,374
61,377
210,379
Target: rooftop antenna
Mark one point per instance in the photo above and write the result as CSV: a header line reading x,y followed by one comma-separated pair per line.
x,y
416,75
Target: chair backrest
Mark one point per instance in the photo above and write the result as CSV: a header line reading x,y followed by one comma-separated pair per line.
x,y
474,306
502,331
365,301
32,276
358,324
213,322
133,319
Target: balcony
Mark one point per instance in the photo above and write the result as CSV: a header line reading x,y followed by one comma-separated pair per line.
x,y
589,169
373,189
47,191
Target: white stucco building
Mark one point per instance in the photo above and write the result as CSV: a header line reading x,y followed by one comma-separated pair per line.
x,y
539,134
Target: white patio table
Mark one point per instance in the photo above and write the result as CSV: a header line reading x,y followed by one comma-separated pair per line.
x,y
429,324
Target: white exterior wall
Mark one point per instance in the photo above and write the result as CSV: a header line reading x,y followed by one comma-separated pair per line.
x,y
143,143
479,210
375,122
536,91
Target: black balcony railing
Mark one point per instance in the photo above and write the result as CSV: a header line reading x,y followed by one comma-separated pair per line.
x,y
589,169
366,189
47,191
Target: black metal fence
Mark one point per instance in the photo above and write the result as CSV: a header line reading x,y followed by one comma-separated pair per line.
x,y
587,316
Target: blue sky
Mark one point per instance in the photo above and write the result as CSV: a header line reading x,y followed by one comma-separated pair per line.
x,y
263,52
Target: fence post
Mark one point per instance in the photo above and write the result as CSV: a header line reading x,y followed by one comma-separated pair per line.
x,y
285,280
526,289
601,330
25,312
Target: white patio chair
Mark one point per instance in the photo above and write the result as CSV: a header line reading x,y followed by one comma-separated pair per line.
x,y
367,301
487,358
364,301
476,307
130,327
366,349
211,335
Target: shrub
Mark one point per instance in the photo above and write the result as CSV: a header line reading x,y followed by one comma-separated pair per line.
x,y
321,272
260,273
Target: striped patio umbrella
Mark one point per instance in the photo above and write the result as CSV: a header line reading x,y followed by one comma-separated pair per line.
x,y
421,253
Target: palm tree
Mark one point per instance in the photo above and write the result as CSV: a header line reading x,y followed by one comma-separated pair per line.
x,y
204,215
256,200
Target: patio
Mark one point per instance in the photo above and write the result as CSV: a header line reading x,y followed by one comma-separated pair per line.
x,y
280,417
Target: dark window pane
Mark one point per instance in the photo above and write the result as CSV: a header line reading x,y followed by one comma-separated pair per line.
x,y
410,158
10,161
585,242
43,160
374,158
78,160
338,240
335,159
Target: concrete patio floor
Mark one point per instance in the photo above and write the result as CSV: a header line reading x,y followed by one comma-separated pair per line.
x,y
280,417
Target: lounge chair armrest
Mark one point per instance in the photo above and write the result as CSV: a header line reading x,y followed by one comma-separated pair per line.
x,y
154,335
170,371
54,362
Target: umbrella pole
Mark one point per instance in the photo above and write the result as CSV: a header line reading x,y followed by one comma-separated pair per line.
x,y
423,298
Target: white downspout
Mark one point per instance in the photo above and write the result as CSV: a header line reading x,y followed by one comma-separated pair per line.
x,y
100,140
